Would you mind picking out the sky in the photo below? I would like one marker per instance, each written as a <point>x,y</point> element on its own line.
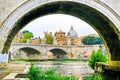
<point>55,22</point>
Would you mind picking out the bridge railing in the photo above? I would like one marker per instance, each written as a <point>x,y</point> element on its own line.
<point>24,44</point>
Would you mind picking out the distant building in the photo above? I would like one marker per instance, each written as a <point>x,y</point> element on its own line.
<point>72,33</point>
<point>36,41</point>
<point>95,35</point>
<point>60,37</point>
<point>18,38</point>
<point>77,41</point>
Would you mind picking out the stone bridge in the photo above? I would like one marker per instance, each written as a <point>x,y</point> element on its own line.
<point>102,15</point>
<point>55,49</point>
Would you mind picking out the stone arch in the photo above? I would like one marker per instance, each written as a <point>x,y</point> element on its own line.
<point>18,47</point>
<point>91,11</point>
<point>30,50</point>
<point>26,53</point>
<point>59,53</point>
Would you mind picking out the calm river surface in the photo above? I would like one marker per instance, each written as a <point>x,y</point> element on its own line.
<point>77,68</point>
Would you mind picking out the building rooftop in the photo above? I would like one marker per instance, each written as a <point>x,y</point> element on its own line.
<point>72,33</point>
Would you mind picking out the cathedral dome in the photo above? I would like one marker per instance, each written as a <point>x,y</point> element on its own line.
<point>72,33</point>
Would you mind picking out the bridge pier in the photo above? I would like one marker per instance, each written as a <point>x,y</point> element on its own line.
<point>111,69</point>
<point>114,63</point>
<point>108,69</point>
<point>44,54</point>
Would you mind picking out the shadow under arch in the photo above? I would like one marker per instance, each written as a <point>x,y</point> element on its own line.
<point>28,53</point>
<point>59,53</point>
<point>29,50</point>
<point>105,27</point>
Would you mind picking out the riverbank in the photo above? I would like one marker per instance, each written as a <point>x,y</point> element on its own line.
<point>64,67</point>
<point>12,67</point>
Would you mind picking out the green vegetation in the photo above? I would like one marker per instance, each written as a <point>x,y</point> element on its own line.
<point>20,60</point>
<point>97,56</point>
<point>70,60</point>
<point>48,37</point>
<point>94,77</point>
<point>49,74</point>
<point>26,36</point>
<point>101,77</point>
<point>40,40</point>
<point>91,40</point>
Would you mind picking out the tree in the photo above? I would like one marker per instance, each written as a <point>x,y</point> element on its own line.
<point>26,35</point>
<point>97,56</point>
<point>48,37</point>
<point>91,40</point>
<point>40,40</point>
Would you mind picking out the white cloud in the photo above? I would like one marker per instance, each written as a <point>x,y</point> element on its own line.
<point>55,22</point>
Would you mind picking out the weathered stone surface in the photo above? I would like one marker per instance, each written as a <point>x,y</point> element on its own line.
<point>8,6</point>
<point>114,4</point>
<point>55,49</point>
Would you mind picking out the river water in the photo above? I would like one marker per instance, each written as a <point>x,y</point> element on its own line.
<point>77,68</point>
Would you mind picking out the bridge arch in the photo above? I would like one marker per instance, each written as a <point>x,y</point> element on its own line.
<point>59,53</point>
<point>25,53</point>
<point>29,50</point>
<point>102,18</point>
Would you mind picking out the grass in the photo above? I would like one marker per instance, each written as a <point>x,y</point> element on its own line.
<point>20,60</point>
<point>48,74</point>
<point>57,60</point>
<point>70,60</point>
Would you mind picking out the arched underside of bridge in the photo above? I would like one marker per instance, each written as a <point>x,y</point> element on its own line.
<point>29,51</point>
<point>102,24</point>
<point>58,52</point>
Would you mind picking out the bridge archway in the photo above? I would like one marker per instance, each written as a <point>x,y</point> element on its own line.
<point>103,23</point>
<point>26,53</point>
<point>58,53</point>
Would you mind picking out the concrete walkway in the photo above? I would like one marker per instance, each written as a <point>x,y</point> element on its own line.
<point>11,76</point>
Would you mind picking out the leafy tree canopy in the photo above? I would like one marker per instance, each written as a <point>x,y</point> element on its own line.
<point>26,35</point>
<point>48,37</point>
<point>91,40</point>
<point>25,31</point>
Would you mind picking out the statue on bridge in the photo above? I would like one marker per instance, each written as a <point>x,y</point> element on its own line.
<point>44,40</point>
<point>68,41</point>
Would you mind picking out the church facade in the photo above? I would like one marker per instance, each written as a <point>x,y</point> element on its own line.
<point>66,39</point>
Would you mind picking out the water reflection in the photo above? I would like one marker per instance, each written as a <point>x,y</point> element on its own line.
<point>78,69</point>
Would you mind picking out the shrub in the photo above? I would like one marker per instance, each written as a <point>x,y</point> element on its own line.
<point>33,73</point>
<point>97,56</point>
<point>49,74</point>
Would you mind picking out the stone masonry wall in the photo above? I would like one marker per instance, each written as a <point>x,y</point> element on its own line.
<point>7,6</point>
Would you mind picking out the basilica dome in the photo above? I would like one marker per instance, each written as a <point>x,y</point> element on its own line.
<point>72,33</point>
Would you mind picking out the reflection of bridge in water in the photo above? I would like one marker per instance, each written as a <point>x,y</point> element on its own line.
<point>40,49</point>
